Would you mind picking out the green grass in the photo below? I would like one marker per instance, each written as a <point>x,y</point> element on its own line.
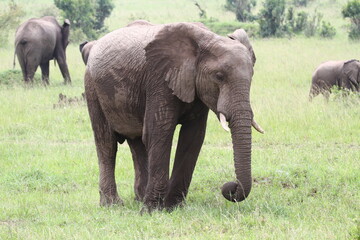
<point>305,167</point>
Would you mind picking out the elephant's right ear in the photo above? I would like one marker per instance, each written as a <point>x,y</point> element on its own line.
<point>352,71</point>
<point>172,55</point>
<point>65,32</point>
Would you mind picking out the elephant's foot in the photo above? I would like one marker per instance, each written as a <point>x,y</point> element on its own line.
<point>172,203</point>
<point>110,199</point>
<point>152,204</point>
<point>140,194</point>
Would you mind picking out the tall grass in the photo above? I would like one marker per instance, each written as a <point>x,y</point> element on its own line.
<point>305,167</point>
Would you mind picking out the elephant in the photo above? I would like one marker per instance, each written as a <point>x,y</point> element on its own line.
<point>85,48</point>
<point>143,80</point>
<point>343,74</point>
<point>39,40</point>
<point>241,36</point>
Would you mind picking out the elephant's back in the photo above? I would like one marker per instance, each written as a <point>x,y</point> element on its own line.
<point>37,31</point>
<point>113,50</point>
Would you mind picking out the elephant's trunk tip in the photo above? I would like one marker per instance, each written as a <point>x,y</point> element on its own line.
<point>234,191</point>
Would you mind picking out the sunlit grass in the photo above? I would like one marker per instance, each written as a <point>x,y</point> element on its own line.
<point>305,167</point>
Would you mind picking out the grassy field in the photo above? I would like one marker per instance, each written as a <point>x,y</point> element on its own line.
<point>306,168</point>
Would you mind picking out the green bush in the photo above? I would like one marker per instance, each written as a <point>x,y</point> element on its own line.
<point>9,19</point>
<point>87,15</point>
<point>352,10</point>
<point>271,18</point>
<point>327,30</point>
<point>242,9</point>
<point>300,2</point>
<point>312,25</point>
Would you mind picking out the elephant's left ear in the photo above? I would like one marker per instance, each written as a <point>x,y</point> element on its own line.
<point>172,55</point>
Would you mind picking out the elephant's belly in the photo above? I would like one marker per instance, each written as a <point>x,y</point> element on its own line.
<point>124,123</point>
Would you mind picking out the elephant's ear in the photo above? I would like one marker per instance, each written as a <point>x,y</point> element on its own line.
<point>65,32</point>
<point>241,36</point>
<point>352,71</point>
<point>172,55</point>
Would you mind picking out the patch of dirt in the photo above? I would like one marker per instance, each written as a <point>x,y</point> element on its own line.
<point>65,101</point>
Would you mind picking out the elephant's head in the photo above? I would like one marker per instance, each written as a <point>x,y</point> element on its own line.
<point>241,36</point>
<point>351,75</point>
<point>85,48</point>
<point>65,32</point>
<point>198,64</point>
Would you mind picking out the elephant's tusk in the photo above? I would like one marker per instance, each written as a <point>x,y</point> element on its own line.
<point>224,123</point>
<point>257,126</point>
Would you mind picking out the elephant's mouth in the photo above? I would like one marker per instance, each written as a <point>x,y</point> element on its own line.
<point>224,123</point>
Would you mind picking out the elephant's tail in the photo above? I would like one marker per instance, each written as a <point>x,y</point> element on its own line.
<point>14,59</point>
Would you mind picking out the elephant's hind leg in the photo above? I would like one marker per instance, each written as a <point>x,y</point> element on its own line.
<point>140,159</point>
<point>45,72</point>
<point>106,147</point>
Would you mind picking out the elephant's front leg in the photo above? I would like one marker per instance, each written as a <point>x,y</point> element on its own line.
<point>191,138</point>
<point>140,159</point>
<point>160,123</point>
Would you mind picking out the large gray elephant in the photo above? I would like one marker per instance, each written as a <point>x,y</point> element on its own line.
<point>343,74</point>
<point>143,80</point>
<point>39,40</point>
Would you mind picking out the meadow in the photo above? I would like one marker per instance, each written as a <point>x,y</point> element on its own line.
<point>306,167</point>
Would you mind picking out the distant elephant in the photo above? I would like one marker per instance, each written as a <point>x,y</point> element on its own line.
<point>39,40</point>
<point>241,36</point>
<point>143,80</point>
<point>343,74</point>
<point>85,48</point>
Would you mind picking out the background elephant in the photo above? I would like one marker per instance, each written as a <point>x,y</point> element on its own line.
<point>39,40</point>
<point>143,80</point>
<point>85,48</point>
<point>241,36</point>
<point>344,74</point>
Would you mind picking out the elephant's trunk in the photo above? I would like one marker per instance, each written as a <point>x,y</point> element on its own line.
<point>240,126</point>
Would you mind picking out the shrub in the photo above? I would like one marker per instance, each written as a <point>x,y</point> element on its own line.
<point>352,10</point>
<point>242,9</point>
<point>300,2</point>
<point>271,18</point>
<point>87,15</point>
<point>9,20</point>
<point>327,30</point>
<point>312,25</point>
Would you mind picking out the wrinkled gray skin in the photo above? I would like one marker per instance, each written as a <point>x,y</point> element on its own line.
<point>343,74</point>
<point>39,40</point>
<point>241,36</point>
<point>143,80</point>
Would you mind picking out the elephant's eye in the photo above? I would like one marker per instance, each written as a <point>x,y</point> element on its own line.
<point>220,76</point>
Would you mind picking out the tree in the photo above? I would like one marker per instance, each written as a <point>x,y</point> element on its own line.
<point>271,18</point>
<point>241,8</point>
<point>87,15</point>
<point>8,20</point>
<point>352,10</point>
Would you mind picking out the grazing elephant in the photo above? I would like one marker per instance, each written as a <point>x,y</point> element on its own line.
<point>143,80</point>
<point>39,40</point>
<point>344,74</point>
<point>241,36</point>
